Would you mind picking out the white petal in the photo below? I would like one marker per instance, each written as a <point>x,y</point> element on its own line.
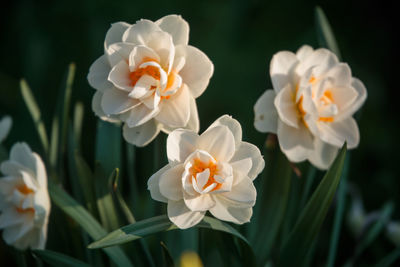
<point>337,132</point>
<point>21,153</point>
<point>139,115</point>
<point>197,71</point>
<point>202,179</point>
<point>358,102</point>
<point>232,124</point>
<point>247,150</point>
<point>199,203</point>
<point>139,33</point>
<point>323,155</point>
<point>152,101</point>
<point>266,116</point>
<point>10,217</point>
<point>119,52</point>
<point>322,59</point>
<point>219,142</point>
<point>171,183</point>
<point>162,44</point>
<point>297,144</point>
<point>183,217</point>
<point>344,98</point>
<point>114,34</point>
<point>97,109</point>
<point>141,54</point>
<point>304,52</point>
<point>180,144</point>
<point>153,184</point>
<point>341,74</point>
<point>98,74</point>
<point>243,166</point>
<point>225,210</point>
<point>175,111</point>
<point>243,193</point>
<point>177,27</point>
<point>193,123</point>
<point>116,101</point>
<point>141,135</point>
<point>143,87</point>
<point>14,233</point>
<point>281,67</point>
<point>5,126</point>
<point>286,107</point>
<point>119,76</point>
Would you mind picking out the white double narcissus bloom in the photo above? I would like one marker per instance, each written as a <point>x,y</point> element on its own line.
<point>24,199</point>
<point>211,172</point>
<point>149,77</point>
<point>5,126</point>
<point>311,106</point>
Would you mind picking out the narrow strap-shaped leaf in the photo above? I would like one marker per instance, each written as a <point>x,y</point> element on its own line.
<point>325,34</point>
<point>36,115</point>
<point>155,225</point>
<point>390,259</point>
<point>86,221</point>
<point>374,231</point>
<point>168,261</point>
<point>273,204</point>
<point>307,226</point>
<point>57,259</point>
<point>339,213</point>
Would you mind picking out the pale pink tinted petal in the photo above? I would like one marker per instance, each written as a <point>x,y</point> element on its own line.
<point>304,52</point>
<point>139,33</point>
<point>286,107</point>
<point>119,52</point>
<point>232,124</point>
<point>244,193</point>
<point>119,76</point>
<point>225,210</point>
<point>171,183</point>
<point>199,203</point>
<point>139,115</point>
<point>338,132</point>
<point>247,150</point>
<point>97,109</point>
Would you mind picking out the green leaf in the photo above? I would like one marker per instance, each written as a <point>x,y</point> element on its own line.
<point>390,259</point>
<point>374,231</point>
<point>325,34</point>
<point>77,127</point>
<point>66,105</point>
<point>86,181</point>
<point>58,259</point>
<point>273,204</point>
<point>339,213</point>
<point>105,204</point>
<point>54,142</point>
<point>168,261</point>
<point>108,146</point>
<point>120,200</point>
<point>86,221</point>
<point>36,115</point>
<point>155,225</point>
<point>307,226</point>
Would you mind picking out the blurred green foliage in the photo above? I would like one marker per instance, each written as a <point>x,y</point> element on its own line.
<point>40,38</point>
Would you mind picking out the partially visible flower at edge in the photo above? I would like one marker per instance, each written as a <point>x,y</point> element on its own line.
<point>311,105</point>
<point>211,172</point>
<point>24,199</point>
<point>149,77</point>
<point>5,126</point>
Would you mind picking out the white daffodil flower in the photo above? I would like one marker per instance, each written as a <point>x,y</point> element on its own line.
<point>24,199</point>
<point>149,77</point>
<point>311,106</point>
<point>5,126</point>
<point>211,172</point>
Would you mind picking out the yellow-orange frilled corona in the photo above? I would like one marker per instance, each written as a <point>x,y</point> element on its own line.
<point>149,77</point>
<point>212,172</point>
<point>24,199</point>
<point>311,105</point>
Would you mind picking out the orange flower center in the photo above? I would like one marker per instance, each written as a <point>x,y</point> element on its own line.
<point>24,189</point>
<point>326,98</point>
<point>199,166</point>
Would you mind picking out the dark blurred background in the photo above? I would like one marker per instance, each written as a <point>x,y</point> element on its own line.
<point>40,38</point>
